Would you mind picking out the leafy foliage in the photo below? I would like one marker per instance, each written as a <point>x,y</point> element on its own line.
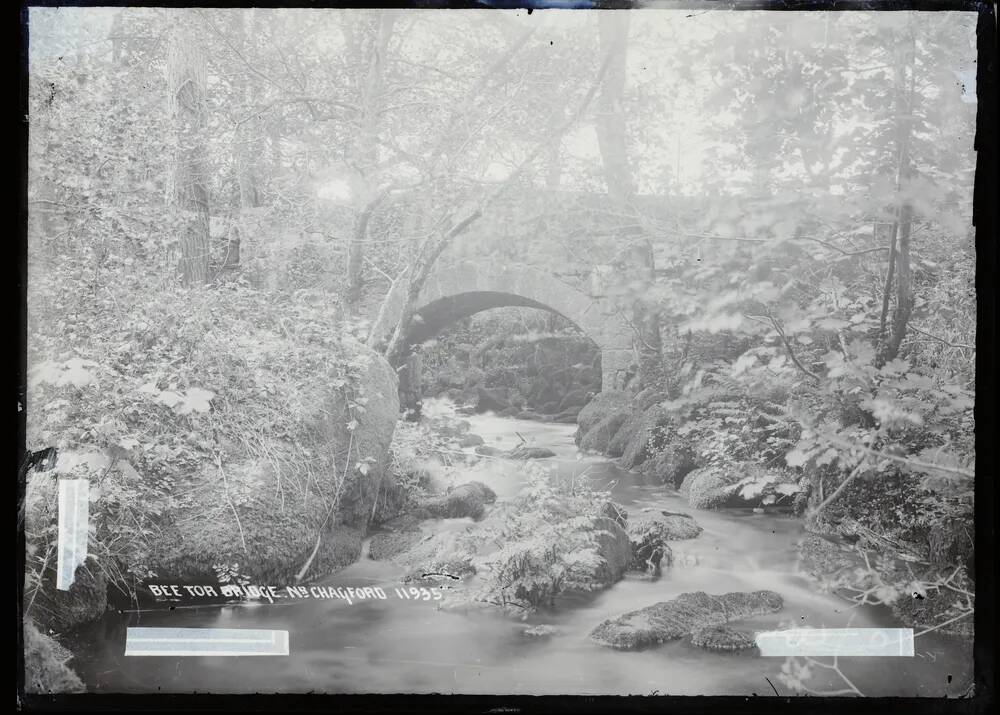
<point>816,313</point>
<point>548,543</point>
<point>182,385</point>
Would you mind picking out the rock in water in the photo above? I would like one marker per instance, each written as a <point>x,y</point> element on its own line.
<point>649,544</point>
<point>466,500</point>
<point>470,440</point>
<point>678,526</point>
<point>488,451</point>
<point>683,616</point>
<point>440,573</point>
<point>525,452</point>
<point>599,407</point>
<point>615,549</point>
<point>649,534</point>
<point>669,465</point>
<point>722,638</point>
<point>741,484</point>
<point>711,488</point>
<point>597,438</point>
<point>639,433</point>
<point>617,444</point>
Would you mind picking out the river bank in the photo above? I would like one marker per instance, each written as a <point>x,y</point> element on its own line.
<point>453,645</point>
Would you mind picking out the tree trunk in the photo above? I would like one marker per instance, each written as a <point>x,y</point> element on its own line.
<point>612,139</point>
<point>900,247</point>
<point>410,386</point>
<point>904,286</point>
<point>274,136</point>
<point>248,142</point>
<point>365,152</point>
<point>117,37</point>
<point>431,250</point>
<point>611,131</point>
<point>187,81</point>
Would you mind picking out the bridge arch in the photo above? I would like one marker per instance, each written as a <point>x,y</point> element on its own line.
<point>459,289</point>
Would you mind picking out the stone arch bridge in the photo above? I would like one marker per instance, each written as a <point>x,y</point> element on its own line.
<point>460,288</point>
<point>562,251</point>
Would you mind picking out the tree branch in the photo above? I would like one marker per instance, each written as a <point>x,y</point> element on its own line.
<point>841,250</point>
<point>855,473</point>
<point>431,250</point>
<point>941,340</point>
<point>788,347</point>
<point>958,471</point>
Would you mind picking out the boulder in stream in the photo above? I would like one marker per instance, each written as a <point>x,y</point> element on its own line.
<point>466,500</point>
<point>615,549</point>
<point>643,400</point>
<point>742,484</point>
<point>486,450</point>
<point>598,436</point>
<point>440,573</point>
<point>529,452</point>
<point>648,554</point>
<point>470,440</point>
<point>711,488</point>
<point>638,435</point>
<point>649,534</point>
<point>669,465</point>
<point>724,638</point>
<point>448,427</point>
<point>598,408</point>
<point>681,617</point>
<point>621,438</point>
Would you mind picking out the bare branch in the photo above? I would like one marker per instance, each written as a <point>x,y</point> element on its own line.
<point>941,340</point>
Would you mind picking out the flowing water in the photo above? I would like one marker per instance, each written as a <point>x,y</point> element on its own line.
<point>399,646</point>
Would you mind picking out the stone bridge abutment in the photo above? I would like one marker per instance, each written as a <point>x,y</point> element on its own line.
<point>456,290</point>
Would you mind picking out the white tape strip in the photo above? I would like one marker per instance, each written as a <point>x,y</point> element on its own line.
<point>74,513</point>
<point>205,641</point>
<point>818,642</point>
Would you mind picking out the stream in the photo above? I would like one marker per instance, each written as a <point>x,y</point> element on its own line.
<point>398,646</point>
